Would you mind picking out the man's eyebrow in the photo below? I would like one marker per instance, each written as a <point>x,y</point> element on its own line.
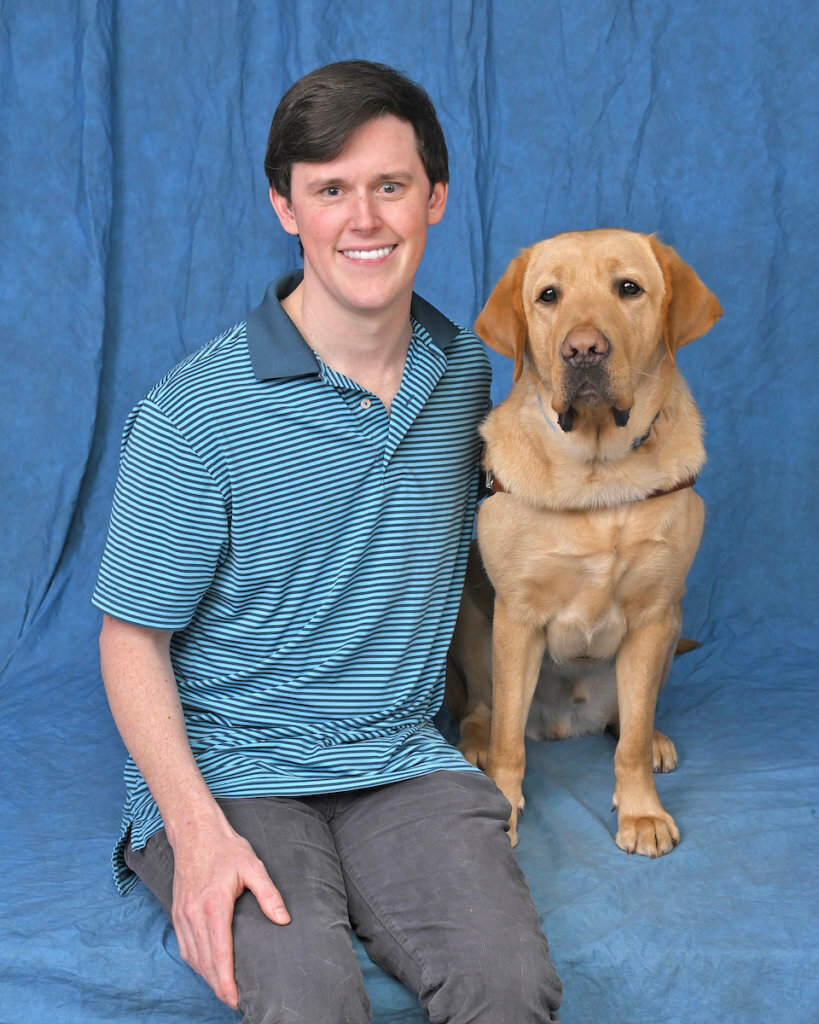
<point>321,183</point>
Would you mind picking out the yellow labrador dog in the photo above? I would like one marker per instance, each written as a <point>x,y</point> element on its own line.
<point>594,523</point>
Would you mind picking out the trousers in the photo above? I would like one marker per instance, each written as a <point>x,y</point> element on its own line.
<point>423,872</point>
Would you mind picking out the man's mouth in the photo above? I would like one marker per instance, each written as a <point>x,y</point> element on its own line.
<point>368,254</point>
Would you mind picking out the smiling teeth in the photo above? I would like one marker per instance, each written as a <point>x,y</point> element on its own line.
<point>367,254</point>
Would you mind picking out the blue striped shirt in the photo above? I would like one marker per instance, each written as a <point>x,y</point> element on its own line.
<point>307,549</point>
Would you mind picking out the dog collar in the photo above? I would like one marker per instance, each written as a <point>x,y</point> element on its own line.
<point>492,485</point>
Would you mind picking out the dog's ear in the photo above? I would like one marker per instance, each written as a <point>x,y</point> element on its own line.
<point>502,322</point>
<point>690,309</point>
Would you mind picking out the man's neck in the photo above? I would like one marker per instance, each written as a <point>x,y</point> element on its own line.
<point>371,349</point>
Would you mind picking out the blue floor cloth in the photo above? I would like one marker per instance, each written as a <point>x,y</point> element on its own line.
<point>136,226</point>
<point>723,928</point>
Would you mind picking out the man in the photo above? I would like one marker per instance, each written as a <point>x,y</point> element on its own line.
<point>281,578</point>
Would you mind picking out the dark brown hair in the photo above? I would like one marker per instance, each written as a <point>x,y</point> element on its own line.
<point>320,112</point>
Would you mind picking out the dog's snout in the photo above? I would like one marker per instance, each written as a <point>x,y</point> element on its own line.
<point>585,346</point>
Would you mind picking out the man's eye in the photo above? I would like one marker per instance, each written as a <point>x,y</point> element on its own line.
<point>332,191</point>
<point>390,188</point>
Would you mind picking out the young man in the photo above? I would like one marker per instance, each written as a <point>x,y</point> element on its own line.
<point>281,579</point>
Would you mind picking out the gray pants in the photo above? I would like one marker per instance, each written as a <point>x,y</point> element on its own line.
<point>424,872</point>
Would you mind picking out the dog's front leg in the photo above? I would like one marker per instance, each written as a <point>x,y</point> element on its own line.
<point>644,826</point>
<point>517,653</point>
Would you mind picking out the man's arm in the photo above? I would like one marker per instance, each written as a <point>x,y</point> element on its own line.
<point>213,865</point>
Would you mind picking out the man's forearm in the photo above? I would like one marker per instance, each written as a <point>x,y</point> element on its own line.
<point>142,694</point>
<point>212,864</point>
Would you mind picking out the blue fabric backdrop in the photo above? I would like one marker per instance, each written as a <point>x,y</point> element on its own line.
<point>134,225</point>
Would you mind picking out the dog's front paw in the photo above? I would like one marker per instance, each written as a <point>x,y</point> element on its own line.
<point>663,753</point>
<point>517,802</point>
<point>651,835</point>
<point>513,820</point>
<point>510,783</point>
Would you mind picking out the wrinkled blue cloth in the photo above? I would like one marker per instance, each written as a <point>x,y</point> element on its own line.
<point>136,225</point>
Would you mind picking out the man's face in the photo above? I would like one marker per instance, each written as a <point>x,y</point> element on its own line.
<point>362,219</point>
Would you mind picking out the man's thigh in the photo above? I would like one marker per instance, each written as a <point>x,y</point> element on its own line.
<point>306,970</point>
<point>437,896</point>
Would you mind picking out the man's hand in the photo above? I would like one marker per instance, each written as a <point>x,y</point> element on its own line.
<point>212,868</point>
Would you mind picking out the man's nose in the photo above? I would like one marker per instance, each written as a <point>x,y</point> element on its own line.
<point>364,212</point>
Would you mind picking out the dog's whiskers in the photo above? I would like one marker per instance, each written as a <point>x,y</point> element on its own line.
<point>645,373</point>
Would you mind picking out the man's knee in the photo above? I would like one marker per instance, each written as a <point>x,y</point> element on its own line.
<point>514,982</point>
<point>306,971</point>
<point>318,993</point>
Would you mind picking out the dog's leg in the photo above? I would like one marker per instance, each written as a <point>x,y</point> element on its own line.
<point>474,742</point>
<point>643,824</point>
<point>517,653</point>
<point>469,679</point>
<point>663,751</point>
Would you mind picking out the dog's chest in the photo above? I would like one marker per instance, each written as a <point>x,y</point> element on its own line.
<point>591,621</point>
<point>581,584</point>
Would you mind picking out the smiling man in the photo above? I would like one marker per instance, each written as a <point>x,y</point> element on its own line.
<point>280,583</point>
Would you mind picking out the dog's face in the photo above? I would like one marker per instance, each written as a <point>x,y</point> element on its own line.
<point>594,311</point>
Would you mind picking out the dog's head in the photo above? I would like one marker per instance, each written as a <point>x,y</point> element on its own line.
<point>593,312</point>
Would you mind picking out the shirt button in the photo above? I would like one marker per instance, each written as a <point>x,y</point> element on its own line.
<point>365,403</point>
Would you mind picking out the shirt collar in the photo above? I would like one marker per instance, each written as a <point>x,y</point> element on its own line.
<point>279,352</point>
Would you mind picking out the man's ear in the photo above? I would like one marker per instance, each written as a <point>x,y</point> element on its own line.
<point>284,211</point>
<point>437,202</point>
<point>502,321</point>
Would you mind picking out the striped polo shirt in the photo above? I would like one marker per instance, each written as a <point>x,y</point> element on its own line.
<point>307,549</point>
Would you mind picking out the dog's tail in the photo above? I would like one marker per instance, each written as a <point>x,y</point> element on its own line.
<point>684,645</point>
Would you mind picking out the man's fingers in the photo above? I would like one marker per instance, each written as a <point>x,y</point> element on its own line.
<point>221,974</point>
<point>204,901</point>
<point>205,938</point>
<point>268,896</point>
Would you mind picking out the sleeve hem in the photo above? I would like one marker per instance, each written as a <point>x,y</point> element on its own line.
<point>140,617</point>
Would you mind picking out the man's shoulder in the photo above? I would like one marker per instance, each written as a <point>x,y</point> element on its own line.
<point>213,368</point>
<point>198,396</point>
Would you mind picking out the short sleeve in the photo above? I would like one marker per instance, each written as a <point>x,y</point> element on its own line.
<point>168,529</point>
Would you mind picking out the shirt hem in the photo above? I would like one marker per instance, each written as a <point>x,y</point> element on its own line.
<point>125,878</point>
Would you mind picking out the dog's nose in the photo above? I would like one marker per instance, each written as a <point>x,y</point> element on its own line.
<point>584,346</point>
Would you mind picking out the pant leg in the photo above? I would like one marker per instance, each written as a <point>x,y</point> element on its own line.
<point>437,897</point>
<point>306,971</point>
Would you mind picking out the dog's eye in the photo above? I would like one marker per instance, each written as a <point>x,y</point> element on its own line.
<point>548,295</point>
<point>628,289</point>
